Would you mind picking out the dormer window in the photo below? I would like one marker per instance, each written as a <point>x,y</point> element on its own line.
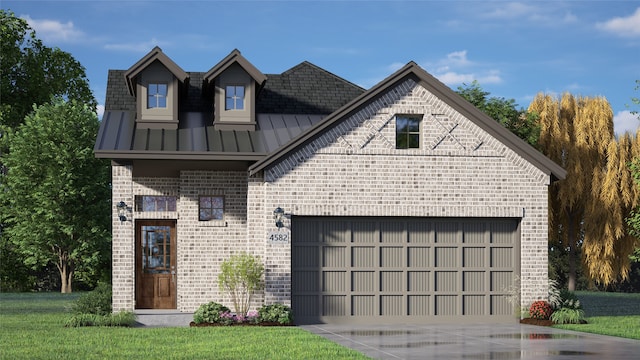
<point>234,97</point>
<point>157,96</point>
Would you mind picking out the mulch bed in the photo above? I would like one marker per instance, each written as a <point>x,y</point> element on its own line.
<point>532,321</point>
<point>193,324</point>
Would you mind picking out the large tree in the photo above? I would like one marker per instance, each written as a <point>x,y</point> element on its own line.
<point>56,194</point>
<point>32,73</point>
<point>505,111</point>
<point>587,209</point>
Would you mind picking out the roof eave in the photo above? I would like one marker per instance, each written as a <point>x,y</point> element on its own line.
<point>177,155</point>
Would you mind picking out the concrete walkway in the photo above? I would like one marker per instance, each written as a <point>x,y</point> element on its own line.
<point>500,341</point>
<point>486,341</point>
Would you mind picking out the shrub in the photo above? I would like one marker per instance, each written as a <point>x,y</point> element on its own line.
<point>568,316</point>
<point>241,277</point>
<point>540,310</point>
<point>209,313</point>
<point>276,313</point>
<point>569,300</point>
<point>97,301</point>
<point>123,318</point>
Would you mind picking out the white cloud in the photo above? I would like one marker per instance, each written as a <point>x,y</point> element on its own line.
<point>623,26</point>
<point>100,111</point>
<point>625,121</point>
<point>512,10</point>
<point>139,47</point>
<point>53,30</point>
<point>458,58</point>
<point>450,71</point>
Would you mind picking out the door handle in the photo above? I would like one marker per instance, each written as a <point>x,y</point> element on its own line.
<point>173,276</point>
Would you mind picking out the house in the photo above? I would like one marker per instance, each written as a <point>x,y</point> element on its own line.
<point>402,203</point>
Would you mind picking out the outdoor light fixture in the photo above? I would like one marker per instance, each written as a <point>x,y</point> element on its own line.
<point>278,213</point>
<point>122,211</point>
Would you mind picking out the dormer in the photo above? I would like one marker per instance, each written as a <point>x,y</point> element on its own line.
<point>155,82</point>
<point>234,84</point>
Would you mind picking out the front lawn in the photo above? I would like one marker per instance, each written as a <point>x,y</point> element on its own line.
<point>614,314</point>
<point>32,327</point>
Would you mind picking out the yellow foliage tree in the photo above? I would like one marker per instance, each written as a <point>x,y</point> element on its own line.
<point>588,208</point>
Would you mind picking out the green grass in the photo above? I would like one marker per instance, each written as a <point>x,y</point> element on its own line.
<point>614,314</point>
<point>32,327</point>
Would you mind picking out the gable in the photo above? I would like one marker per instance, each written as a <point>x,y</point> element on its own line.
<point>444,112</point>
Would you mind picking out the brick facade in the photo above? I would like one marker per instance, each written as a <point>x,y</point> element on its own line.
<point>353,169</point>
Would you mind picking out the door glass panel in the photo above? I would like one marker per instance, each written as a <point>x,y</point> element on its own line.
<point>156,249</point>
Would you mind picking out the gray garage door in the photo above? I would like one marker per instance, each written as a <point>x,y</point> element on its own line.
<point>403,270</point>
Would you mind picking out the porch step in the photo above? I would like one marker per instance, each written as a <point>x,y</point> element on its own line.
<point>163,318</point>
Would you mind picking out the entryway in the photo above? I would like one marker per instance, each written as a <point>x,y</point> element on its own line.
<point>155,264</point>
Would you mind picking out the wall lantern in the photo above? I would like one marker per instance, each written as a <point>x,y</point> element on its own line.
<point>278,214</point>
<point>122,211</point>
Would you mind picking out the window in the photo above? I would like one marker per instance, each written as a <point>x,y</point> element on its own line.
<point>211,208</point>
<point>155,203</point>
<point>157,96</point>
<point>234,98</point>
<point>408,132</point>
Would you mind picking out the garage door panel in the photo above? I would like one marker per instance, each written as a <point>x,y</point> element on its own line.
<point>474,233</point>
<point>501,280</point>
<point>391,305</point>
<point>419,305</point>
<point>363,281</point>
<point>305,256</point>
<point>473,257</point>
<point>334,281</point>
<point>447,232</point>
<point>446,305</point>
<point>473,304</point>
<point>363,305</point>
<point>391,281</point>
<point>334,256</point>
<point>419,281</point>
<point>473,281</point>
<point>418,257</point>
<point>336,232</point>
<point>403,270</point>
<point>393,232</point>
<point>500,305</point>
<point>306,281</point>
<point>446,257</point>
<point>363,257</point>
<point>334,305</point>
<point>420,232</point>
<point>391,257</point>
<point>365,232</point>
<point>501,257</point>
<point>446,281</point>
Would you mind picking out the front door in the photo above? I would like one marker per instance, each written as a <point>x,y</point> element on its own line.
<point>155,264</point>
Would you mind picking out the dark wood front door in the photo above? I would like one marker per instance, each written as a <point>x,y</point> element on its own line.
<point>156,264</point>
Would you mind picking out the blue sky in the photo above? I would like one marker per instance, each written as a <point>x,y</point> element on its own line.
<point>513,49</point>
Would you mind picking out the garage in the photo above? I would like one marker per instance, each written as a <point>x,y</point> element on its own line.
<point>374,270</point>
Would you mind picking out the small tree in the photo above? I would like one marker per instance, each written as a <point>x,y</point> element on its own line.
<point>241,277</point>
<point>55,198</point>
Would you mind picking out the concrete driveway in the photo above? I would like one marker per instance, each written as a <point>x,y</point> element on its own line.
<point>499,341</point>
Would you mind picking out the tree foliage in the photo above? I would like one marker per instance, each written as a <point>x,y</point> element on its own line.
<point>241,277</point>
<point>32,73</point>
<point>588,208</point>
<point>520,122</point>
<point>55,196</point>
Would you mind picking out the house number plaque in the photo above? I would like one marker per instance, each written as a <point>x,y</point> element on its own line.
<point>278,237</point>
